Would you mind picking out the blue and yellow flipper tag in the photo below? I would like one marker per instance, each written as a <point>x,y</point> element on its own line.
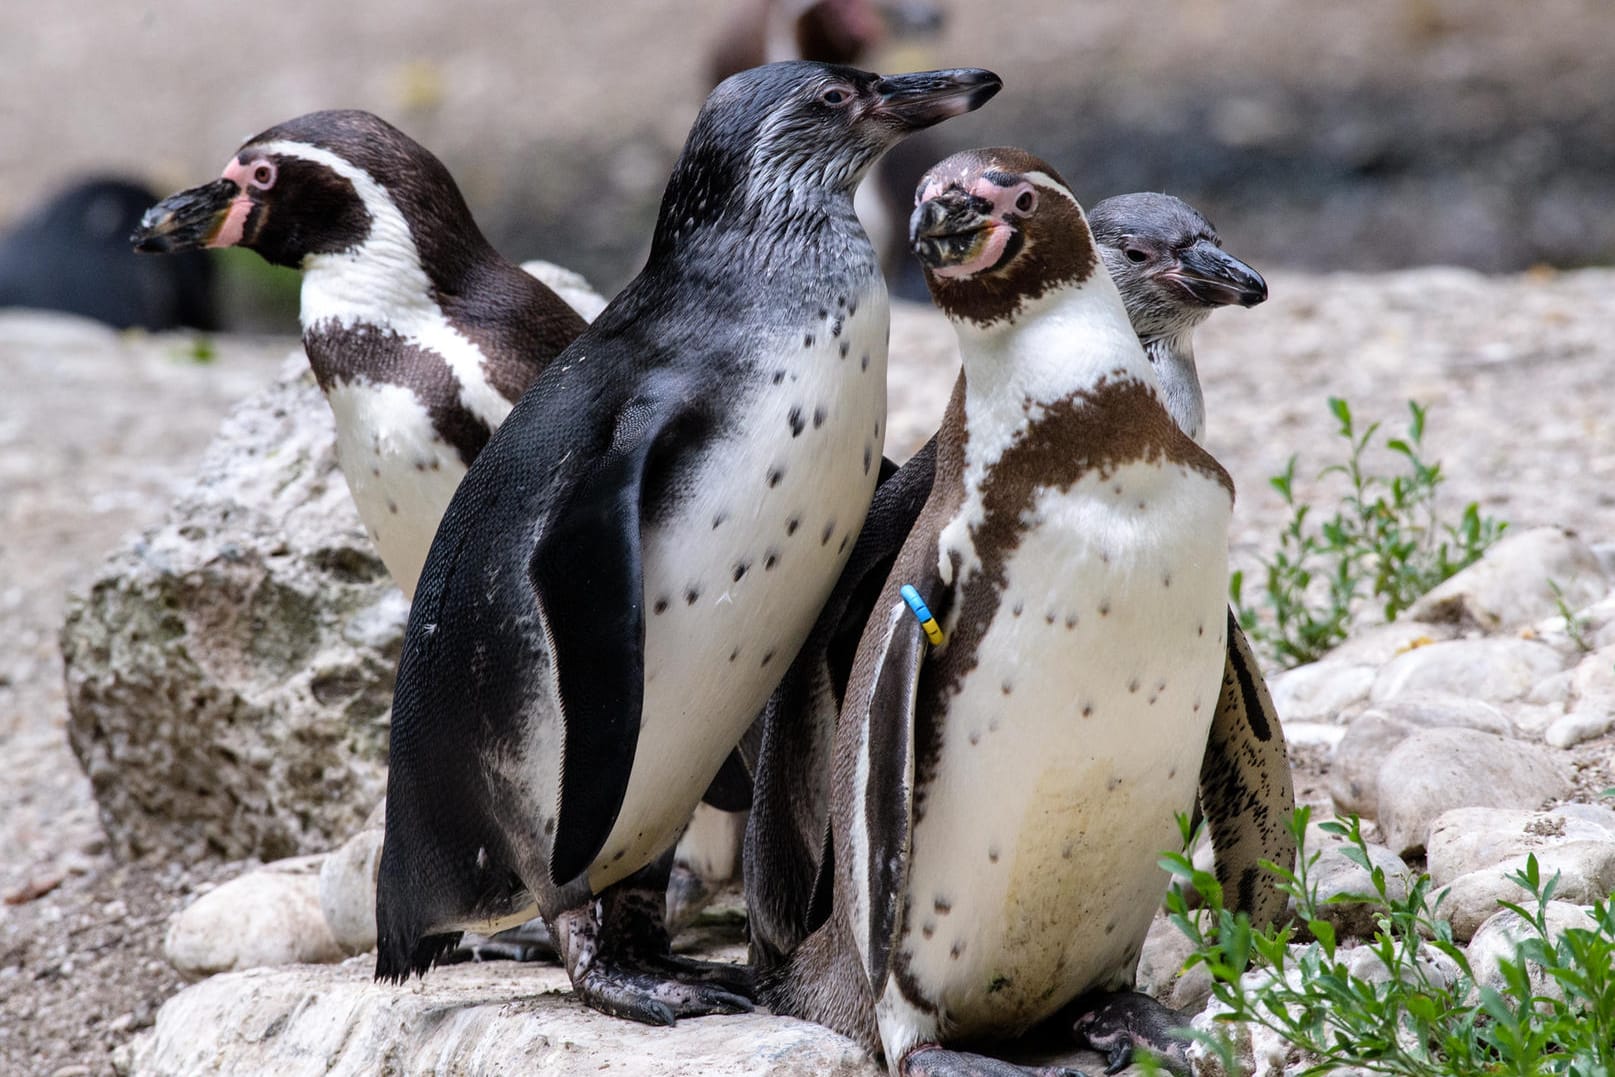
<point>933,631</point>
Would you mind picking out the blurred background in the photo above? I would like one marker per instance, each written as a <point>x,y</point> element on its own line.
<point>1367,135</point>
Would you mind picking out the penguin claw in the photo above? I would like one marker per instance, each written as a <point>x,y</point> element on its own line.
<point>1118,1058</point>
<point>652,998</point>
<point>930,1060</point>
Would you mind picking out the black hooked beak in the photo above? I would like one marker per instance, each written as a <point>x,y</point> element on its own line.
<point>1216,278</point>
<point>187,220</point>
<point>911,102</point>
<point>949,229</point>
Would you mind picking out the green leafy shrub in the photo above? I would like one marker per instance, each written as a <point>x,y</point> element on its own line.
<point>1425,1015</point>
<point>1385,545</point>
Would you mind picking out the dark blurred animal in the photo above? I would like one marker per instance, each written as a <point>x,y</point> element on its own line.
<point>72,254</point>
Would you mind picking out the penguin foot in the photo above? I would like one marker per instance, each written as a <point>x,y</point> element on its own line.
<point>1117,1024</point>
<point>687,895</point>
<point>657,991</point>
<point>527,942</point>
<point>932,1060</point>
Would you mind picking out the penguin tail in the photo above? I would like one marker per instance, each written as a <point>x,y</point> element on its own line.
<point>397,957</point>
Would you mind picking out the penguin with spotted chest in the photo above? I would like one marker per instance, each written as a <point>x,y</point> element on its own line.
<point>674,496</point>
<point>999,800</point>
<point>1167,261</point>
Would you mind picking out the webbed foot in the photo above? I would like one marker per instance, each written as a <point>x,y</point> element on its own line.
<point>1117,1024</point>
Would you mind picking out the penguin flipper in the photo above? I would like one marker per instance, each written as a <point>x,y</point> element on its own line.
<point>588,563</point>
<point>883,797</point>
<point>1246,789</point>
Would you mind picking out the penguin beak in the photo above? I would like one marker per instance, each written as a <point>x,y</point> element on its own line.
<point>912,102</point>
<point>187,220</point>
<point>952,231</point>
<point>1216,278</point>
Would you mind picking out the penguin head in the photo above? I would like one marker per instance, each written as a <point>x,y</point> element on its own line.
<point>777,138</point>
<point>995,229</point>
<point>308,187</point>
<point>1167,260</point>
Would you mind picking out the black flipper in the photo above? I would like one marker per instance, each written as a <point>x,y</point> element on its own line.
<point>588,563</point>
<point>887,796</point>
<point>1246,790</point>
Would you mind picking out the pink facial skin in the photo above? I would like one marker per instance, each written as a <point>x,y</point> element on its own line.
<point>248,177</point>
<point>996,230</point>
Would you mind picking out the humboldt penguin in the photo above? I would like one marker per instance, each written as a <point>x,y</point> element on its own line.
<point>421,336</point>
<point>634,559</point>
<point>1030,702</point>
<point>1167,262</point>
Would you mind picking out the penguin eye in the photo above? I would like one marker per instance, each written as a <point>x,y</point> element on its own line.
<point>263,175</point>
<point>1026,202</point>
<point>835,96</point>
<point>1135,255</point>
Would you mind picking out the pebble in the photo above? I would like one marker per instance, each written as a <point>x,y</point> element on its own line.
<point>270,916</point>
<point>1436,770</point>
<point>1496,939</point>
<point>1375,731</point>
<point>348,890</point>
<point>1336,876</point>
<point>1510,587</point>
<point>1495,670</point>
<point>1585,871</point>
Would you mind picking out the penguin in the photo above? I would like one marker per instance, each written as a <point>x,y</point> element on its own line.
<point>421,336</point>
<point>1030,701</point>
<point>631,563</point>
<point>69,254</point>
<point>1167,262</point>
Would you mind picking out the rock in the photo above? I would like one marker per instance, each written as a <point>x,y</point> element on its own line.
<point>1376,730</point>
<point>1375,645</point>
<point>1436,770</point>
<point>463,1019</point>
<point>1590,813</point>
<point>218,698</point>
<point>1497,939</point>
<point>348,890</point>
<point>1592,689</point>
<point>1572,729</point>
<point>1585,869</point>
<point>1335,874</point>
<point>1160,968</point>
<point>1432,966</point>
<point>270,916</point>
<point>1496,670</point>
<point>1509,586</point>
<point>1469,839</point>
<point>1320,690</point>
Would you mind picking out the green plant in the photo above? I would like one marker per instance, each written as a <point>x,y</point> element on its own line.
<point>1425,1015</point>
<point>1575,627</point>
<point>1384,545</point>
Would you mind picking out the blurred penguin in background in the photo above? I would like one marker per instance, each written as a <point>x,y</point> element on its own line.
<point>72,254</point>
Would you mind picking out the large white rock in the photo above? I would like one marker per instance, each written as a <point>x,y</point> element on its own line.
<point>1495,670</point>
<point>1437,770</point>
<point>1510,586</point>
<point>1498,938</point>
<point>466,1020</point>
<point>1585,870</point>
<point>1469,839</point>
<point>270,916</point>
<point>1319,691</point>
<point>1376,730</point>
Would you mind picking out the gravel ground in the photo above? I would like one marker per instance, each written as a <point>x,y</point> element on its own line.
<point>1515,371</point>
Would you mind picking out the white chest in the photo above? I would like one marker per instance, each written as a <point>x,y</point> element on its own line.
<point>735,580</point>
<point>401,473</point>
<point>1068,748</point>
